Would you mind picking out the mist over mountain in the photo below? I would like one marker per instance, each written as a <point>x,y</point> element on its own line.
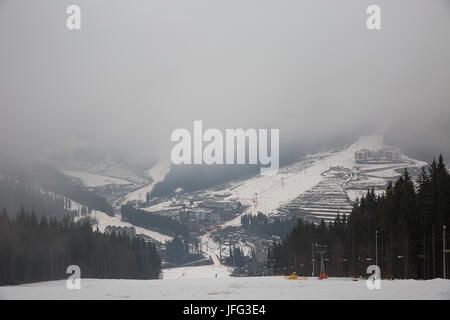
<point>137,71</point>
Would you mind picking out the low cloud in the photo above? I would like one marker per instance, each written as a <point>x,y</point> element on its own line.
<point>138,70</point>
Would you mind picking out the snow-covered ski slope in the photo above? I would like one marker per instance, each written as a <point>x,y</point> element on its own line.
<point>200,272</point>
<point>210,287</point>
<point>102,220</point>
<point>92,180</point>
<point>266,194</point>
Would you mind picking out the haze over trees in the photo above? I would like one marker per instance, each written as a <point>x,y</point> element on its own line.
<point>178,251</point>
<point>40,176</point>
<point>15,195</point>
<point>261,225</point>
<point>34,250</point>
<point>193,178</point>
<point>155,222</point>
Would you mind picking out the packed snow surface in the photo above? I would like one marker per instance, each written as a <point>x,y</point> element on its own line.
<point>199,272</point>
<point>92,180</point>
<point>104,220</point>
<point>208,286</point>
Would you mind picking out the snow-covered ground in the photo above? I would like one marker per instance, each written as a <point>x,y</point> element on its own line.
<point>199,272</point>
<point>208,286</point>
<point>92,180</point>
<point>272,193</point>
<point>105,220</point>
<point>102,220</point>
<point>212,249</point>
<point>357,194</point>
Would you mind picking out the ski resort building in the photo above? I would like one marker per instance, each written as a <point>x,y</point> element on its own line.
<point>224,205</point>
<point>199,213</point>
<point>384,155</point>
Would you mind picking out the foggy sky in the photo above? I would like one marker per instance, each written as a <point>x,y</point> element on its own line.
<point>139,69</point>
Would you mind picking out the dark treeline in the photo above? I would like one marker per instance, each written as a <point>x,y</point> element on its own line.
<point>260,225</point>
<point>84,196</point>
<point>39,175</point>
<point>40,250</point>
<point>155,222</point>
<point>14,195</point>
<point>57,182</point>
<point>178,252</point>
<point>193,178</point>
<point>406,220</point>
<point>236,258</point>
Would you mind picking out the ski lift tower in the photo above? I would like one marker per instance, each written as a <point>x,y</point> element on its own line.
<point>322,249</point>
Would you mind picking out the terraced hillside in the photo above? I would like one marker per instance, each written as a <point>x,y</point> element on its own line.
<point>326,199</point>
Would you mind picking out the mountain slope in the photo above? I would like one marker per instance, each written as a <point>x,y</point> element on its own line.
<point>313,175</point>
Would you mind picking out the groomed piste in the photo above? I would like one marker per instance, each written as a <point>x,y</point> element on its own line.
<point>201,283</point>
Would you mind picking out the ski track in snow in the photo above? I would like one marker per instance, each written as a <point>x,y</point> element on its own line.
<point>209,271</point>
